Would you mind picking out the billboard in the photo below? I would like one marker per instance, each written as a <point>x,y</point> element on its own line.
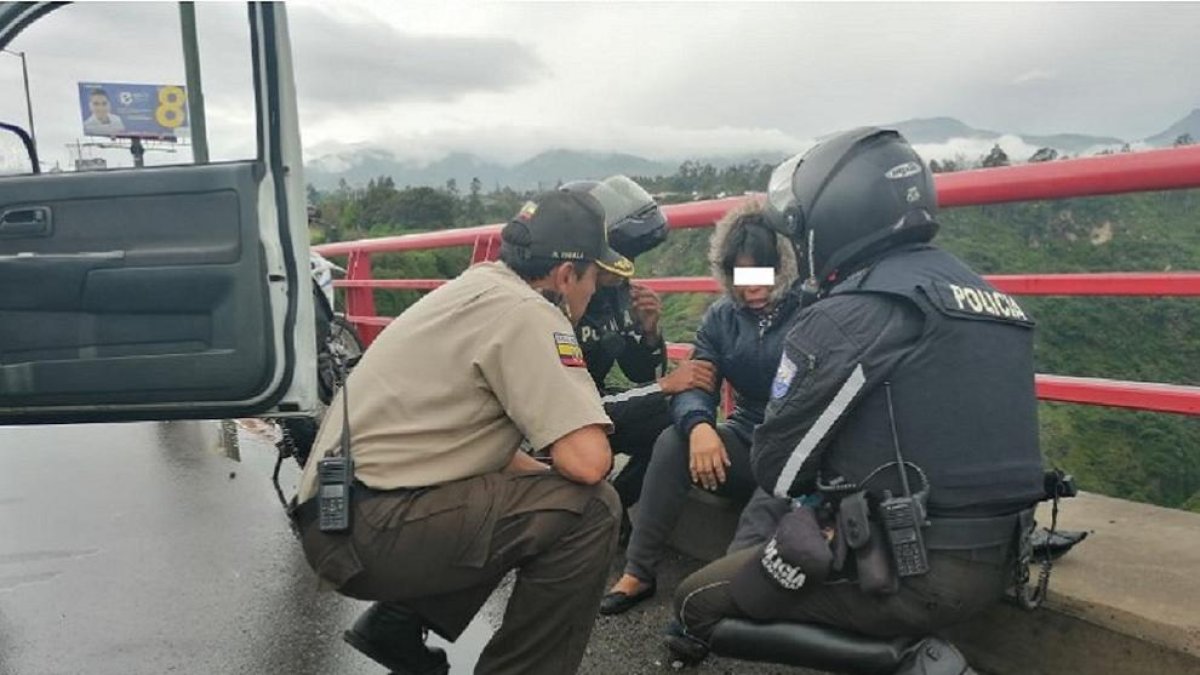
<point>119,110</point>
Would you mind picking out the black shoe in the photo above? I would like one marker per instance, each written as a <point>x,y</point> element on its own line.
<point>684,648</point>
<point>934,656</point>
<point>393,636</point>
<point>618,603</point>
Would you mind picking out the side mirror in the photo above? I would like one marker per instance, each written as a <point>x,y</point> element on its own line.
<point>18,155</point>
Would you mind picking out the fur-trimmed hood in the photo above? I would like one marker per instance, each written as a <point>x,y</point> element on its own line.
<point>740,217</point>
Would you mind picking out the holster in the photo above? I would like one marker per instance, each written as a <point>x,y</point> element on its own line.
<point>856,532</point>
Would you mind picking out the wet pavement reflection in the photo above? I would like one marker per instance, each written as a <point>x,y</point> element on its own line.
<point>140,548</point>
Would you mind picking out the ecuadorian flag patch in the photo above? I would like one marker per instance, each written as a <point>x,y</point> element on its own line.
<point>568,350</point>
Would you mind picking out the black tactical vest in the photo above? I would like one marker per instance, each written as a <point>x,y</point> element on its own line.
<point>963,395</point>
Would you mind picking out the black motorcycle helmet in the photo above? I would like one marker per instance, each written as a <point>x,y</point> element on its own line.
<point>635,223</point>
<point>850,197</point>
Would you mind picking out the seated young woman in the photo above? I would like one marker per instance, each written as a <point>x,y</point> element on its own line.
<point>742,335</point>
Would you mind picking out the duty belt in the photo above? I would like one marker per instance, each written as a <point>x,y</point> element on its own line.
<point>997,533</point>
<point>305,514</point>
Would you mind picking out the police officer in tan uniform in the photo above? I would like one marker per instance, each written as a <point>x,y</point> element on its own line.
<point>445,501</point>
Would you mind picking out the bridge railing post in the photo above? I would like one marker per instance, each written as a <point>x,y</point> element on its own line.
<point>360,300</point>
<point>487,247</point>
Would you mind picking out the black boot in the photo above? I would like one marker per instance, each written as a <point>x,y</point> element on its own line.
<point>934,656</point>
<point>684,648</point>
<point>394,637</point>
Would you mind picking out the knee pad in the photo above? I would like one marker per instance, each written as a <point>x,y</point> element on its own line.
<point>810,646</point>
<point>836,650</point>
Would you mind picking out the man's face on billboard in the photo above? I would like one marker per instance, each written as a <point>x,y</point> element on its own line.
<point>100,106</point>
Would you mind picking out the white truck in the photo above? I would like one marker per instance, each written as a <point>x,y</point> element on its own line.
<point>163,292</point>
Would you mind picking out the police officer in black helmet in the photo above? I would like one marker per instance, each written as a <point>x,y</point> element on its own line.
<point>901,349</point>
<point>621,328</point>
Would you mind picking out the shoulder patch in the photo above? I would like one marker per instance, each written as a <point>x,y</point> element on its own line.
<point>980,303</point>
<point>568,349</point>
<point>783,377</point>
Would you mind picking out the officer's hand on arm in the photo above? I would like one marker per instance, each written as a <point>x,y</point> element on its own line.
<point>708,458</point>
<point>647,306</point>
<point>691,374</point>
<point>583,456</point>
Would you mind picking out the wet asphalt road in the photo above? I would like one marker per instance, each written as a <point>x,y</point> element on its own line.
<point>139,548</point>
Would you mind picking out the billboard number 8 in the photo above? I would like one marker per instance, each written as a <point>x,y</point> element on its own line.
<point>170,113</point>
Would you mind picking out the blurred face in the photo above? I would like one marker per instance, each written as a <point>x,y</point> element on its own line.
<point>755,297</point>
<point>99,106</point>
<point>576,291</point>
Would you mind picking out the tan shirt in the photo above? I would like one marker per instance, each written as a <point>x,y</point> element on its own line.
<point>452,387</point>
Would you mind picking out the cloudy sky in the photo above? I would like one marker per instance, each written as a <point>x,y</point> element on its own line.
<point>665,80</point>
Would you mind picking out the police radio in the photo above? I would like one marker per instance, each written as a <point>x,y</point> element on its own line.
<point>335,478</point>
<point>903,517</point>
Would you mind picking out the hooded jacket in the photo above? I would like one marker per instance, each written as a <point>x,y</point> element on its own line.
<point>745,346</point>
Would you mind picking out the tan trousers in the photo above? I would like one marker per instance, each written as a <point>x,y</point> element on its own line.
<point>441,552</point>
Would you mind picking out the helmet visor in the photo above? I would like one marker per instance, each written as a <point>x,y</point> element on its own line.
<point>621,199</point>
<point>780,196</point>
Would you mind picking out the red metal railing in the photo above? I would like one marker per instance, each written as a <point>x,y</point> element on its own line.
<point>1176,168</point>
<point>1174,284</point>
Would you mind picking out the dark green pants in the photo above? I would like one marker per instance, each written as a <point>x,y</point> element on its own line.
<point>442,551</point>
<point>955,588</point>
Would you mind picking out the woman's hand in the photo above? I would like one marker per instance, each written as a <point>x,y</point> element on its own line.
<point>708,458</point>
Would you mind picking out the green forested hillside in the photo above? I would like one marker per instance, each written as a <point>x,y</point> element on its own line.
<point>1143,456</point>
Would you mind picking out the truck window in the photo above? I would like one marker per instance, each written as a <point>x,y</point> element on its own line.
<point>108,88</point>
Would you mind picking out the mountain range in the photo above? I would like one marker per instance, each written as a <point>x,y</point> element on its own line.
<point>359,164</point>
<point>938,130</point>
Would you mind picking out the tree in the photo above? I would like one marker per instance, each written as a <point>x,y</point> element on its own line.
<point>475,202</point>
<point>455,200</point>
<point>944,166</point>
<point>1183,139</point>
<point>997,157</point>
<point>1044,155</point>
<point>503,204</point>
<point>424,208</point>
<point>378,203</point>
